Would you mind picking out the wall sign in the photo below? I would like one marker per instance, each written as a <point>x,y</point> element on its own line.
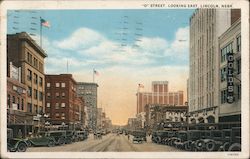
<point>230,78</point>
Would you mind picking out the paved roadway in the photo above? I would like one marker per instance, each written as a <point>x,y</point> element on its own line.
<point>108,143</point>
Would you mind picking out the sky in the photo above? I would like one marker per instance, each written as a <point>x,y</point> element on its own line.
<point>126,47</point>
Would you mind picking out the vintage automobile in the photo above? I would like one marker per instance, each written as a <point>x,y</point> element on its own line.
<point>139,136</point>
<point>70,137</point>
<point>42,139</point>
<point>80,135</point>
<point>15,144</point>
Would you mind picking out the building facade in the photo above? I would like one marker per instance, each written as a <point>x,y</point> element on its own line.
<point>158,115</point>
<point>63,107</point>
<point>206,25</point>
<point>23,52</point>
<point>159,95</point>
<point>230,72</point>
<point>89,92</point>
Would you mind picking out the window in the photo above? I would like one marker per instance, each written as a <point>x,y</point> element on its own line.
<point>22,104</point>
<point>57,115</point>
<point>29,57</point>
<point>223,74</point>
<point>8,100</point>
<point>36,108</point>
<point>57,84</point>
<point>48,95</point>
<point>238,66</point>
<point>35,93</point>
<point>40,81</point>
<point>48,85</point>
<point>13,99</point>
<point>40,66</point>
<point>239,91</point>
<point>223,96</point>
<point>40,95</point>
<point>29,76</point>
<point>29,107</point>
<point>63,85</point>
<point>57,105</point>
<point>40,109</point>
<point>238,43</point>
<point>225,50</point>
<point>35,78</point>
<point>63,116</point>
<point>29,91</point>
<point>18,103</point>
<point>62,105</point>
<point>57,95</point>
<point>48,105</point>
<point>63,94</point>
<point>35,62</point>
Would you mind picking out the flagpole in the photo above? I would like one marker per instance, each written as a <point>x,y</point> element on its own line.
<point>40,32</point>
<point>93,75</point>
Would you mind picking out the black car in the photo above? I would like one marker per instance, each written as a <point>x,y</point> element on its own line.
<point>15,144</point>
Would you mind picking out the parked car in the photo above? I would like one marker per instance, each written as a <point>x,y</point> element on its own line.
<point>80,135</point>
<point>70,137</point>
<point>42,139</point>
<point>59,136</point>
<point>15,144</point>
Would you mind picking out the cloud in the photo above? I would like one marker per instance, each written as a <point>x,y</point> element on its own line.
<point>80,39</point>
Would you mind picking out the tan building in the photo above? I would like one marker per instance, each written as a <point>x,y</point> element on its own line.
<point>230,73</point>
<point>25,53</point>
<point>159,95</point>
<point>206,26</point>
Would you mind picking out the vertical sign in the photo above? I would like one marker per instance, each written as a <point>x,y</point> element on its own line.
<point>230,78</point>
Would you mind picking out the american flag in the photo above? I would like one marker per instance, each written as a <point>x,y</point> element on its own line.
<point>140,85</point>
<point>96,73</point>
<point>45,23</point>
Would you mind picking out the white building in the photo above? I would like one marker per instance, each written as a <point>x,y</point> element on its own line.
<point>206,25</point>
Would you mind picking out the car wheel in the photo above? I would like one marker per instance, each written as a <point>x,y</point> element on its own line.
<point>21,147</point>
<point>235,147</point>
<point>61,141</point>
<point>51,143</point>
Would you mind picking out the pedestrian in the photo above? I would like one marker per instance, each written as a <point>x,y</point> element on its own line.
<point>20,134</point>
<point>128,136</point>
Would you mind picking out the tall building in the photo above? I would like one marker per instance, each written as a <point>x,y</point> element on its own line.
<point>63,107</point>
<point>206,25</point>
<point>89,92</point>
<point>159,95</point>
<point>25,53</point>
<point>230,72</point>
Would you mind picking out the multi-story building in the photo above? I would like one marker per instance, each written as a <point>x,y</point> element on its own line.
<point>159,95</point>
<point>206,25</point>
<point>89,92</point>
<point>156,114</point>
<point>25,53</point>
<point>230,72</point>
<point>63,107</point>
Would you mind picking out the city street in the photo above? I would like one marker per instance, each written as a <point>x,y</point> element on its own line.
<point>108,143</point>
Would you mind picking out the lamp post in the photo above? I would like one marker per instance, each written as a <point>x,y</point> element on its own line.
<point>63,124</point>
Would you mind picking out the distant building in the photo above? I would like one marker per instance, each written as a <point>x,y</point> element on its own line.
<point>156,114</point>
<point>159,95</point>
<point>63,106</point>
<point>25,54</point>
<point>89,92</point>
<point>99,118</point>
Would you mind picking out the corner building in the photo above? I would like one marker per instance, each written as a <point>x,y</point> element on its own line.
<point>62,103</point>
<point>206,26</point>
<point>25,53</point>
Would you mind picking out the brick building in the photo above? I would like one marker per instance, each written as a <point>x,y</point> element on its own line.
<point>159,95</point>
<point>62,104</point>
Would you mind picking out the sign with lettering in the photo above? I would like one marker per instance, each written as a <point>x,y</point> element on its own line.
<point>230,78</point>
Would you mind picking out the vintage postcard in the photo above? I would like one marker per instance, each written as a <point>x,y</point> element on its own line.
<point>124,79</point>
